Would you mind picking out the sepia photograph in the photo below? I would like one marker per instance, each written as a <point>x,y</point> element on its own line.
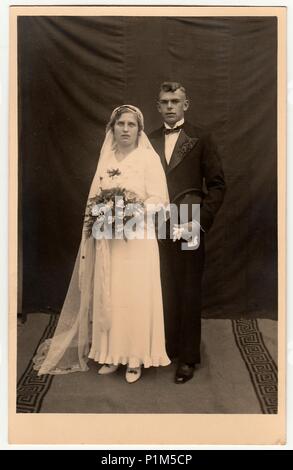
<point>147,198</point>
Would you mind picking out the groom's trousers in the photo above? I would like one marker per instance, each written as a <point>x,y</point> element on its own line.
<point>181,277</point>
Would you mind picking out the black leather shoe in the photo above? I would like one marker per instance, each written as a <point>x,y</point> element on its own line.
<point>184,373</point>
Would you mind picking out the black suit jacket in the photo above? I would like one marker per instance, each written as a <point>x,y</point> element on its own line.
<point>194,173</point>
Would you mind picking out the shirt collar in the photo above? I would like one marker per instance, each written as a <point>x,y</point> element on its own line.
<point>178,123</point>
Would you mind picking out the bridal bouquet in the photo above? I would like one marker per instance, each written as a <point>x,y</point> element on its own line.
<point>110,210</point>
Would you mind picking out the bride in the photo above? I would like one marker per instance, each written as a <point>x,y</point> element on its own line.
<point>113,311</point>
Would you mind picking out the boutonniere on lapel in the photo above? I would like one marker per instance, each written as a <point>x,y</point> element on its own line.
<point>186,147</point>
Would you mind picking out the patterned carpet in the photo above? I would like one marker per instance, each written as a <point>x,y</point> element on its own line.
<point>31,388</point>
<point>259,362</point>
<point>238,374</point>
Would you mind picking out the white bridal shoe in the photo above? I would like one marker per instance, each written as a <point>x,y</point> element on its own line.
<point>107,369</point>
<point>132,374</point>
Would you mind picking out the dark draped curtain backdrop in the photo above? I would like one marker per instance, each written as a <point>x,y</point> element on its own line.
<point>74,70</point>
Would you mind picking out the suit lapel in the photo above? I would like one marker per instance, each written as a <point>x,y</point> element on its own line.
<point>183,145</point>
<point>159,145</point>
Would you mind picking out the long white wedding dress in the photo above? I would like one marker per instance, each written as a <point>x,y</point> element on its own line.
<point>113,310</point>
<point>136,336</point>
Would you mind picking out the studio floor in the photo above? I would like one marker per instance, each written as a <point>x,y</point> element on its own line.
<point>238,374</point>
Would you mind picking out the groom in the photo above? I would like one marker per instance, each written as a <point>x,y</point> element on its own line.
<point>190,159</point>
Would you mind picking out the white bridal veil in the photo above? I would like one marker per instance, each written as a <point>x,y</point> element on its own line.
<point>68,350</point>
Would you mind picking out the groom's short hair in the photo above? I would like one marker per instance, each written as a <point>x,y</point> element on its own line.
<point>172,86</point>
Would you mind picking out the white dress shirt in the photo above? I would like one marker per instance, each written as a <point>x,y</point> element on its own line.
<point>171,139</point>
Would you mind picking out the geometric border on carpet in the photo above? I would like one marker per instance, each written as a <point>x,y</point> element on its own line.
<point>261,366</point>
<point>31,388</point>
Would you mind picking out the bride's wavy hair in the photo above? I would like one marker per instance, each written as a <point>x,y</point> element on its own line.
<point>122,110</point>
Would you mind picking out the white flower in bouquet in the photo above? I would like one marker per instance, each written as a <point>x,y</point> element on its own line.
<point>138,211</point>
<point>95,210</point>
<point>100,218</point>
<point>120,203</point>
<point>110,219</point>
<point>119,215</point>
<point>110,204</point>
<point>119,227</point>
<point>103,210</point>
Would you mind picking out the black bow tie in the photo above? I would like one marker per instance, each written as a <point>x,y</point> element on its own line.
<point>173,130</point>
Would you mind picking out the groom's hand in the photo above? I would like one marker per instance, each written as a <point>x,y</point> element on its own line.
<point>189,232</point>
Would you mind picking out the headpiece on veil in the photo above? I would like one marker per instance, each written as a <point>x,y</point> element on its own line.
<point>124,108</point>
